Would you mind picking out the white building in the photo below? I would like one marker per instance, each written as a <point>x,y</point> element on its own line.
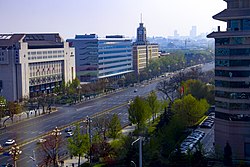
<point>33,63</point>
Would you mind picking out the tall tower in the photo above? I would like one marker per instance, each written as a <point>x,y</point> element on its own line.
<point>232,79</point>
<point>141,34</point>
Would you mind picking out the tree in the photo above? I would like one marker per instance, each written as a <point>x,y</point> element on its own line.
<point>13,108</point>
<point>3,106</point>
<point>48,150</point>
<point>101,125</point>
<point>139,112</point>
<point>189,110</point>
<point>79,144</point>
<point>114,126</point>
<point>154,104</point>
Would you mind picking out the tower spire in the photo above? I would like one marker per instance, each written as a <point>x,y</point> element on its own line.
<point>141,17</point>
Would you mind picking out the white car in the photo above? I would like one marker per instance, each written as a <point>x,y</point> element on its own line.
<point>10,142</point>
<point>69,134</point>
<point>39,141</point>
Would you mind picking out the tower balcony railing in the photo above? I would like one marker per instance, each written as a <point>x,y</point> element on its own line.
<point>247,90</point>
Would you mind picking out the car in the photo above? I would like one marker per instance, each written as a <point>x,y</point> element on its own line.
<point>135,90</point>
<point>68,129</point>
<point>206,125</point>
<point>42,140</point>
<point>10,142</point>
<point>1,148</point>
<point>69,134</point>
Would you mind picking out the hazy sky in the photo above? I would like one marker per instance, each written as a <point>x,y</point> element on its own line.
<point>70,17</point>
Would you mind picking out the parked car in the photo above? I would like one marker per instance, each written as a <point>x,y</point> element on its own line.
<point>135,90</point>
<point>10,142</point>
<point>206,125</point>
<point>1,148</point>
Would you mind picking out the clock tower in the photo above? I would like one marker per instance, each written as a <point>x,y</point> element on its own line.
<point>141,34</point>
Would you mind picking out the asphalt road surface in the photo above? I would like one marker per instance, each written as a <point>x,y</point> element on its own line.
<point>27,132</point>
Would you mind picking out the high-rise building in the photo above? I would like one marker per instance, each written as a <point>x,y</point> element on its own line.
<point>34,63</point>
<point>143,51</point>
<point>193,32</point>
<point>232,79</point>
<point>98,58</point>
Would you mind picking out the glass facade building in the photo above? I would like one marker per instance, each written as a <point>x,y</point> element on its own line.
<point>232,79</point>
<point>98,58</point>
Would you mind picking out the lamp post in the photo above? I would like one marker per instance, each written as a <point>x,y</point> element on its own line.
<point>78,91</point>
<point>88,123</point>
<point>15,153</point>
<point>140,150</point>
<point>56,133</point>
<point>123,80</point>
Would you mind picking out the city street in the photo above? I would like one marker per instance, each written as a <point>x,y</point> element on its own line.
<point>27,132</point>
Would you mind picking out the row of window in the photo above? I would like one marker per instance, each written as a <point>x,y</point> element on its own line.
<point>114,51</point>
<point>232,52</point>
<point>232,95</point>
<point>113,57</point>
<point>116,61</point>
<point>117,66</point>
<point>237,25</point>
<point>45,57</point>
<point>232,84</point>
<point>233,106</point>
<point>233,117</point>
<point>46,52</point>
<point>114,46</point>
<point>115,72</point>
<point>223,73</point>
<point>232,63</point>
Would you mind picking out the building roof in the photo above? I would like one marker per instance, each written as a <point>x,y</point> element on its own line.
<point>34,40</point>
<point>7,40</point>
<point>222,34</point>
<point>229,14</point>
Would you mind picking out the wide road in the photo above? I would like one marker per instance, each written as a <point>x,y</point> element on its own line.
<point>27,132</point>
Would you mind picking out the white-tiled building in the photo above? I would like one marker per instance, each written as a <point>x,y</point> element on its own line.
<point>34,63</point>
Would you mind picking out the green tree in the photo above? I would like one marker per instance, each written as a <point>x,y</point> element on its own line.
<point>154,104</point>
<point>79,144</point>
<point>2,108</point>
<point>139,112</point>
<point>13,108</point>
<point>189,110</point>
<point>114,127</point>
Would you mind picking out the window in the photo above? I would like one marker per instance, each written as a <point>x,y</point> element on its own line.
<point>1,85</point>
<point>247,150</point>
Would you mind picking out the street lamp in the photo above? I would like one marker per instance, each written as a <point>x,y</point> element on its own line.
<point>133,163</point>
<point>88,123</point>
<point>56,132</point>
<point>79,95</point>
<point>15,153</point>
<point>123,80</point>
<point>140,149</point>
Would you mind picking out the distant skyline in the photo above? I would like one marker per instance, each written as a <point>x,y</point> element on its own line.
<point>104,17</point>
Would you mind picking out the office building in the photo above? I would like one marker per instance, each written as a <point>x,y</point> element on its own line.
<point>143,51</point>
<point>98,58</point>
<point>193,32</point>
<point>33,63</point>
<point>232,79</point>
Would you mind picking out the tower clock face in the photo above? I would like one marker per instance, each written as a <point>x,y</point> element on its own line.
<point>140,32</point>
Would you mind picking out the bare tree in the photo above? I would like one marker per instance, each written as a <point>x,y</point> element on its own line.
<point>49,150</point>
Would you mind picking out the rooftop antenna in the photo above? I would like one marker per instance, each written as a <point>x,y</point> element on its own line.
<point>141,17</point>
